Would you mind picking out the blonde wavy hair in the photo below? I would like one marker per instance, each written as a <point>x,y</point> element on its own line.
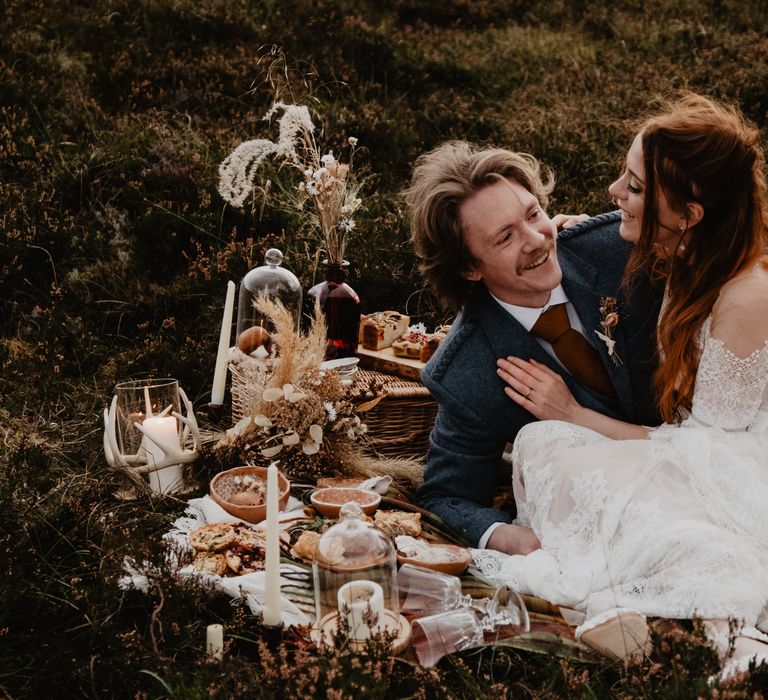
<point>442,179</point>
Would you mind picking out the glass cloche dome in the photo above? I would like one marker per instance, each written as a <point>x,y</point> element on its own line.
<point>274,281</point>
<point>355,577</point>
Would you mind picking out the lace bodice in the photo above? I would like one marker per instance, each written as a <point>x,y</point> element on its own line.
<point>731,392</point>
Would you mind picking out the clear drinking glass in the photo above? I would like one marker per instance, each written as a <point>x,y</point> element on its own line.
<point>506,608</point>
<point>425,591</point>
<point>435,636</point>
<point>150,403</point>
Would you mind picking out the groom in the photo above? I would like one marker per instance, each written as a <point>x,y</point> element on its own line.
<point>489,250</point>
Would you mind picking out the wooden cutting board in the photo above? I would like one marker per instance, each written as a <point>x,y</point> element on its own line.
<point>386,361</point>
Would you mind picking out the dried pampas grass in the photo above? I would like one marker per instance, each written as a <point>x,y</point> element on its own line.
<point>320,434</point>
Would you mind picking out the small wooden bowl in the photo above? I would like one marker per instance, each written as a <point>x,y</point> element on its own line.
<point>250,514</point>
<point>457,564</point>
<point>328,501</point>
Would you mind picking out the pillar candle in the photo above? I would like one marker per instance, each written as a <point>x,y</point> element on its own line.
<point>165,429</point>
<point>220,372</point>
<point>214,642</point>
<point>356,599</point>
<point>272,613</point>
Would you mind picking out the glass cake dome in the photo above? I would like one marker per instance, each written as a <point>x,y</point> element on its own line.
<point>274,281</point>
<point>355,579</point>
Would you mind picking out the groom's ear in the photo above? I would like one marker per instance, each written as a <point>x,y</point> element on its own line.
<point>694,213</point>
<point>472,275</point>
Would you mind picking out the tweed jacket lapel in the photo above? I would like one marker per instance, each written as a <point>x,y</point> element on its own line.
<point>505,334</point>
<point>585,288</point>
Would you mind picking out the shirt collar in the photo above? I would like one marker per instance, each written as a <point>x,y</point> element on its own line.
<point>527,316</point>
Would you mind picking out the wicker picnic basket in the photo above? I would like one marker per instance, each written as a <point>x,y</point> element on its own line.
<point>399,418</point>
<point>400,423</point>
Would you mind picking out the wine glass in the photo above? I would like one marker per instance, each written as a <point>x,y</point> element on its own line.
<point>425,591</point>
<point>435,636</point>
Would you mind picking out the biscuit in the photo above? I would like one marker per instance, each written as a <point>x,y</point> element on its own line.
<point>398,522</point>
<point>249,539</point>
<point>213,537</point>
<point>210,563</point>
<point>306,545</point>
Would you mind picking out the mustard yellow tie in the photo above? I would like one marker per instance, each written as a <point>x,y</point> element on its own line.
<point>573,350</point>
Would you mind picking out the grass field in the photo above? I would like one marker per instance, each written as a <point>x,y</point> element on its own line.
<point>115,250</point>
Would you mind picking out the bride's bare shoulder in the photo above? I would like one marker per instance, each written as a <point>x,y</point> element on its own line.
<point>740,316</point>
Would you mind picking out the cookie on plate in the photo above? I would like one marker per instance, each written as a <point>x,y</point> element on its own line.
<point>306,545</point>
<point>248,538</point>
<point>398,522</point>
<point>210,563</point>
<point>213,537</point>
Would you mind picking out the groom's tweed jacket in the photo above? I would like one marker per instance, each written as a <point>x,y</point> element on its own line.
<point>476,419</point>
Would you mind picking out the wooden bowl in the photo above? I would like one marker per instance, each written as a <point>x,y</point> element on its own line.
<point>460,559</point>
<point>328,501</point>
<point>221,490</point>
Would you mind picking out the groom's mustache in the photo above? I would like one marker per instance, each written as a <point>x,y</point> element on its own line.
<point>538,256</point>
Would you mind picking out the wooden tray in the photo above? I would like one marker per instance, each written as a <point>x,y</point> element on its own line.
<point>386,361</point>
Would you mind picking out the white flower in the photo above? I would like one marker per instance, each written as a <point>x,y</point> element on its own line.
<point>271,451</point>
<point>291,439</point>
<point>310,447</point>
<point>346,225</point>
<point>308,172</point>
<point>294,120</point>
<point>319,173</point>
<point>316,432</point>
<point>238,170</point>
<point>328,158</point>
<point>350,205</point>
<point>330,410</point>
<point>312,190</point>
<point>262,421</point>
<point>273,394</point>
<point>610,343</point>
<point>352,141</point>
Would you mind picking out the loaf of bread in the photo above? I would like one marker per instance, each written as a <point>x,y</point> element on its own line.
<point>380,329</point>
<point>409,344</point>
<point>419,345</point>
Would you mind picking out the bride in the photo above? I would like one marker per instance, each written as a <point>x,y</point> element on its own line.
<point>669,521</point>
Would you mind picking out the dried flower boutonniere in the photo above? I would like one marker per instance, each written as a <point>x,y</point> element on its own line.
<point>609,320</point>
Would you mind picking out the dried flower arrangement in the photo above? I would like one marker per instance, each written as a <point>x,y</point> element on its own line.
<point>298,413</point>
<point>329,184</point>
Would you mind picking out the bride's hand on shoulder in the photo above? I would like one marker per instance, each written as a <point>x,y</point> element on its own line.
<point>536,388</point>
<point>562,221</point>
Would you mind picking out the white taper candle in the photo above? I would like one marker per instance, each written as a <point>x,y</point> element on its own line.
<point>272,614</point>
<point>220,373</point>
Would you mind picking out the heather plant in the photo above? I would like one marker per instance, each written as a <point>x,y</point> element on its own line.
<point>115,249</point>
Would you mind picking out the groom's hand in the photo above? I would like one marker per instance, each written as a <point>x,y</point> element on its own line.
<point>513,539</point>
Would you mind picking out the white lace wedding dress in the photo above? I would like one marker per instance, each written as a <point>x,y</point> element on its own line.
<point>674,526</point>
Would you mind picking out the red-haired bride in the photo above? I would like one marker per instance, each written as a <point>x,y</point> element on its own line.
<point>669,521</point>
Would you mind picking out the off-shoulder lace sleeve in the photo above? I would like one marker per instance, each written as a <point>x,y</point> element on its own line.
<point>730,390</point>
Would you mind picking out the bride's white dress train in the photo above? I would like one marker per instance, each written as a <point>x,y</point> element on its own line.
<point>674,526</point>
